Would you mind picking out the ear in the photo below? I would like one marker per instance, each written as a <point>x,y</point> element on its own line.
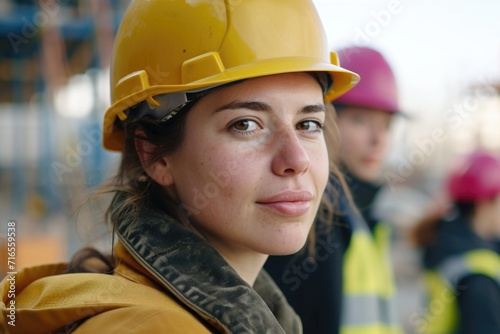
<point>157,170</point>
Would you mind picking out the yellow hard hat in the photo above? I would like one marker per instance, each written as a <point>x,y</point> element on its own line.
<point>165,47</point>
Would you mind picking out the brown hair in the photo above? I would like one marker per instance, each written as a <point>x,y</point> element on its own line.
<point>133,180</point>
<point>328,209</point>
<point>143,192</point>
<point>424,233</point>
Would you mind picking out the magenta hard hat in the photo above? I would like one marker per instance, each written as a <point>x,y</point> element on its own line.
<point>475,178</point>
<point>377,88</point>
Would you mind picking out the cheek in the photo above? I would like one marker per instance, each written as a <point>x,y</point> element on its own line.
<point>231,164</point>
<point>384,138</point>
<point>192,167</point>
<point>353,141</point>
<point>218,176</point>
<point>320,165</point>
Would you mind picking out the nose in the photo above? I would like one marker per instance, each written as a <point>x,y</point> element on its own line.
<point>377,135</point>
<point>291,157</point>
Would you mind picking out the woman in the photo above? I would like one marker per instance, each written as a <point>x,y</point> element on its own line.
<point>218,109</point>
<point>334,289</point>
<point>460,259</point>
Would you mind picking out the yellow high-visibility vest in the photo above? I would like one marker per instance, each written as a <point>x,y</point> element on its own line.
<point>442,313</point>
<point>368,304</point>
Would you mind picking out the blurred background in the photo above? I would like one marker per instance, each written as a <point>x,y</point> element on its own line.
<point>446,57</point>
<point>54,69</point>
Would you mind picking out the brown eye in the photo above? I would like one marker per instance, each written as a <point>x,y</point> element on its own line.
<point>309,125</point>
<point>245,126</point>
<point>242,125</point>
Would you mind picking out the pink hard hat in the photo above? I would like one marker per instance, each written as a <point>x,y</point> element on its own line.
<point>377,88</point>
<point>475,178</point>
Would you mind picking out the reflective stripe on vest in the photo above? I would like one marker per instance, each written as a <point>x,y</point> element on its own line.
<point>442,316</point>
<point>368,287</point>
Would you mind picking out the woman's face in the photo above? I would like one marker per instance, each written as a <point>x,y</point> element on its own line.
<point>364,134</point>
<point>253,164</point>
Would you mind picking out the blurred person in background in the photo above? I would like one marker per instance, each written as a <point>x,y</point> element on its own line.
<point>218,110</point>
<point>461,263</point>
<point>346,286</point>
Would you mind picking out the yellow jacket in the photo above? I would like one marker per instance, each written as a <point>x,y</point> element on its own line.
<point>126,302</point>
<point>167,280</point>
<point>129,301</point>
<point>443,312</point>
<point>369,289</point>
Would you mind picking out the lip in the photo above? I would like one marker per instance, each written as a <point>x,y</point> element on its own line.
<point>288,203</point>
<point>369,160</point>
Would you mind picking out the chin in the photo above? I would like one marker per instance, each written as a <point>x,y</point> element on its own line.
<point>286,249</point>
<point>287,237</point>
<point>285,252</point>
<point>368,174</point>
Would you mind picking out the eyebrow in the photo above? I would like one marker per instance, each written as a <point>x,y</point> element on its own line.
<point>260,106</point>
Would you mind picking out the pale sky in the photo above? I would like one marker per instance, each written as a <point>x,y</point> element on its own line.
<point>438,49</point>
<point>435,46</point>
